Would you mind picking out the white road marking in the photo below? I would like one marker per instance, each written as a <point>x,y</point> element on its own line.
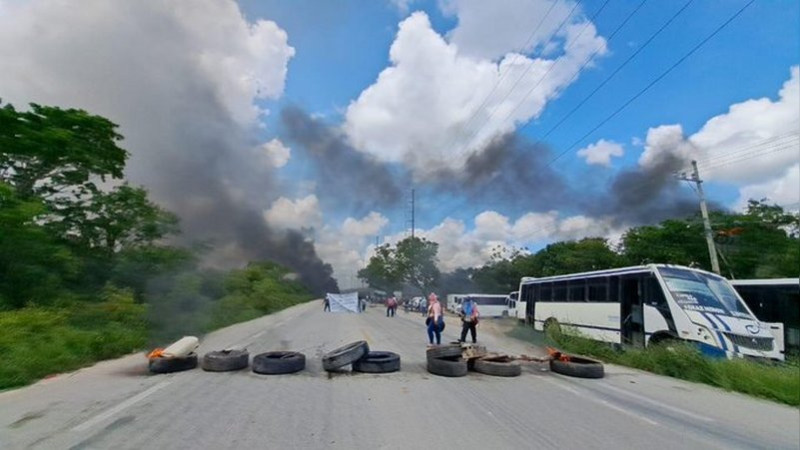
<point>120,407</point>
<point>660,405</point>
<point>588,396</point>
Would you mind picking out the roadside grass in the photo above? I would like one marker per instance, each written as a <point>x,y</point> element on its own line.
<point>39,341</point>
<point>777,382</point>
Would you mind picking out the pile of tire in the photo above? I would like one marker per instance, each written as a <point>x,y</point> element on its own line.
<point>278,363</point>
<point>446,361</point>
<point>361,359</point>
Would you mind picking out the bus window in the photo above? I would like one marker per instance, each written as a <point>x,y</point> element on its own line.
<point>560,291</point>
<point>577,291</point>
<point>546,293</point>
<point>598,290</point>
<point>613,289</point>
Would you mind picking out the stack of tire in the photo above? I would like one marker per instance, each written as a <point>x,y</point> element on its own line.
<point>358,355</point>
<point>446,361</point>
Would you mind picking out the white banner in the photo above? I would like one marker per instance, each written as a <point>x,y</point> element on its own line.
<point>344,302</point>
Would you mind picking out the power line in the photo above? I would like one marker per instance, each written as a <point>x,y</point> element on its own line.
<point>527,69</point>
<point>747,150</point>
<point>616,71</point>
<point>706,151</point>
<point>503,76</point>
<point>653,82</point>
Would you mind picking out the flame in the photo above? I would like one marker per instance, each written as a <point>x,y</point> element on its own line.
<point>555,354</point>
<point>156,353</point>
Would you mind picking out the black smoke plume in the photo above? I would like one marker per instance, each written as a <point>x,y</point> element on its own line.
<point>346,178</point>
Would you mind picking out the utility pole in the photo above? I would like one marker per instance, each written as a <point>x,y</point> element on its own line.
<point>712,250</point>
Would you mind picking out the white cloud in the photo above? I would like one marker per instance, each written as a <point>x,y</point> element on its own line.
<point>370,225</point>
<point>600,153</point>
<point>490,30</point>
<point>751,145</point>
<point>277,153</point>
<point>418,109</point>
<point>749,123</point>
<point>783,190</point>
<point>347,248</point>
<point>294,214</point>
<point>460,247</point>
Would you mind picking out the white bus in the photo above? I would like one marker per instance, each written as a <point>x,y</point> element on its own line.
<point>511,303</point>
<point>454,302</point>
<point>643,305</point>
<point>488,305</point>
<point>777,302</point>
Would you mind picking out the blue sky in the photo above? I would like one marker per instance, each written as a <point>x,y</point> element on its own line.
<point>414,92</point>
<point>342,47</point>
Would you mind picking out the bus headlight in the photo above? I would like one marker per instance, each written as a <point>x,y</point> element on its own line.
<point>705,335</point>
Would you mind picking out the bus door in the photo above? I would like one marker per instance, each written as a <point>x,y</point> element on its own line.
<point>631,310</point>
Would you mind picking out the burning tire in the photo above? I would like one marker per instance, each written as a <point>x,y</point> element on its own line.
<point>378,362</point>
<point>163,364</point>
<point>578,366</point>
<point>450,367</point>
<point>345,355</point>
<point>277,363</point>
<point>499,367</point>
<point>225,360</point>
<point>444,351</point>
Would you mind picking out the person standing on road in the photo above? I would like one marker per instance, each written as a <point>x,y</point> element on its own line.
<point>435,319</point>
<point>391,306</point>
<point>469,319</point>
<point>327,303</point>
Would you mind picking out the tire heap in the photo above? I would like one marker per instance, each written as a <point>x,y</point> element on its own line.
<point>358,355</point>
<point>455,360</point>
<point>447,361</point>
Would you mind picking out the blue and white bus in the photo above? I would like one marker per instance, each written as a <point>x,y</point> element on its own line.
<point>643,305</point>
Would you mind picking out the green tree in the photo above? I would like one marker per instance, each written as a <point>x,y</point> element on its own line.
<point>412,261</point>
<point>57,154</point>
<point>382,271</point>
<point>416,260</point>
<point>120,219</point>
<point>761,242</point>
<point>33,265</point>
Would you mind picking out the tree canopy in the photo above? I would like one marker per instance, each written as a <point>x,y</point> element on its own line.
<point>411,262</point>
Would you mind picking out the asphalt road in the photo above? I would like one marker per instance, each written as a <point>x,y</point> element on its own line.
<point>117,405</point>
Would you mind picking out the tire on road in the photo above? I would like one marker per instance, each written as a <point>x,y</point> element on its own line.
<point>449,367</point>
<point>278,363</point>
<point>498,368</point>
<point>378,362</point>
<point>225,360</point>
<point>345,355</point>
<point>174,364</point>
<point>444,351</point>
<point>578,366</point>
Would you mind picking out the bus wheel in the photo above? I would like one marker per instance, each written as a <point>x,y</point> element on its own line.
<point>552,328</point>
<point>664,340</point>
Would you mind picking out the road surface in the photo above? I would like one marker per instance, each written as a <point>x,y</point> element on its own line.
<point>117,405</point>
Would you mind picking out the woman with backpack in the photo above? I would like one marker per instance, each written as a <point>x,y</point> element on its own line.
<point>469,319</point>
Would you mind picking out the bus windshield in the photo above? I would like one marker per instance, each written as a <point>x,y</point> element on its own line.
<point>697,291</point>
